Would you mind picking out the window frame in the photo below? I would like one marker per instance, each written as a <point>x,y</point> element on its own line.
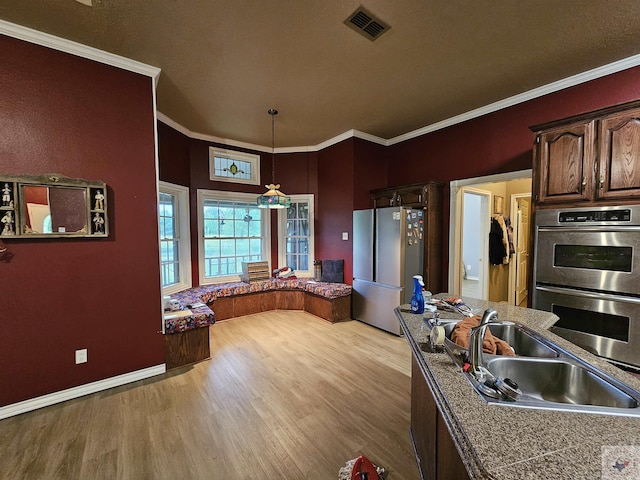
<point>202,195</point>
<point>282,233</point>
<point>253,159</point>
<point>181,194</point>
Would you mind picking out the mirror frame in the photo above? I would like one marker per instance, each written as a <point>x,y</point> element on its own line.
<point>13,215</point>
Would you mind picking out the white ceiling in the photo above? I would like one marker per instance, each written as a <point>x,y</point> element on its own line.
<point>225,63</point>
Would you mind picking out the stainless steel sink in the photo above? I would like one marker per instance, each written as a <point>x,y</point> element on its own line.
<point>524,341</point>
<point>545,376</point>
<point>562,381</point>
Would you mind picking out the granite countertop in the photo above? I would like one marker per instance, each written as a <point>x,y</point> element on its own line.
<point>505,443</point>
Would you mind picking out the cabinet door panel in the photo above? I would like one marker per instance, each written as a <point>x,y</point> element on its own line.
<point>619,156</point>
<point>566,163</point>
<point>450,466</point>
<point>423,422</point>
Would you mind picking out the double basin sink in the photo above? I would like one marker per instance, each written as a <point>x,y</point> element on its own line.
<point>543,375</point>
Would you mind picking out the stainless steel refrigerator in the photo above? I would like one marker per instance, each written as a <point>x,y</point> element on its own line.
<point>388,249</point>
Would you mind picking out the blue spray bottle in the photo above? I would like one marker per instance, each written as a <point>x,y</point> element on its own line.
<point>417,300</point>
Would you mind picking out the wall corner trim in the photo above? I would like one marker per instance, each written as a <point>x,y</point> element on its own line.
<point>79,391</point>
<point>78,49</point>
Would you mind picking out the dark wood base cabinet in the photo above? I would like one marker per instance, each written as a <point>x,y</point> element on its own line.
<point>436,454</point>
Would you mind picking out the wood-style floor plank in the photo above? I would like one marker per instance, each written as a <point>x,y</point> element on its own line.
<point>285,395</point>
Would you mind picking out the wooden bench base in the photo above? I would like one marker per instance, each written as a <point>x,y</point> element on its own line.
<point>184,348</point>
<point>333,310</point>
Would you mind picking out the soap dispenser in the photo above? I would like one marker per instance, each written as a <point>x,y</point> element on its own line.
<point>417,300</point>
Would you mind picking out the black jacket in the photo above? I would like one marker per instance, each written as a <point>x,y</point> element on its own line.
<point>497,250</point>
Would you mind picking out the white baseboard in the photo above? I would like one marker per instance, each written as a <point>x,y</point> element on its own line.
<point>79,391</point>
<point>469,277</point>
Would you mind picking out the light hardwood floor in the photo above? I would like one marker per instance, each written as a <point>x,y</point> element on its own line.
<point>285,396</point>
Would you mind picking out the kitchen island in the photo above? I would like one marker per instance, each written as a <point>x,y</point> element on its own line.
<point>457,435</point>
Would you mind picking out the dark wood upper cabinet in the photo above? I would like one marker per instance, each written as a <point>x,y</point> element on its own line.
<point>619,155</point>
<point>566,163</point>
<point>589,158</point>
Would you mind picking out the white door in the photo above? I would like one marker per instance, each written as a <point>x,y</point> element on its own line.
<point>522,250</point>
<point>474,248</point>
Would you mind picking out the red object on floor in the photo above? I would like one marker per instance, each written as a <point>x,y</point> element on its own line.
<point>364,465</point>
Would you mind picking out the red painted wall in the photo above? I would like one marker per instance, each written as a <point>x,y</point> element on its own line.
<point>79,118</point>
<point>297,173</point>
<point>343,175</point>
<point>173,153</point>
<point>369,171</point>
<point>335,204</point>
<point>499,142</point>
<point>185,161</point>
<point>340,177</point>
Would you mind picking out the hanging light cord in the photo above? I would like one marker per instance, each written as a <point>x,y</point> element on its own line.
<point>273,112</point>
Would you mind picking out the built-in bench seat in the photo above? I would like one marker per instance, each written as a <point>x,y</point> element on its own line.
<point>331,301</point>
<point>209,303</point>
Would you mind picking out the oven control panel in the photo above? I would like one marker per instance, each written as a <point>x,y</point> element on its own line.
<point>617,215</point>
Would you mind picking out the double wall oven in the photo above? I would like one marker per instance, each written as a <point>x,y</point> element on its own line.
<point>587,272</point>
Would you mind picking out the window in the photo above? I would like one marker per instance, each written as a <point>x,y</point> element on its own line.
<point>295,239</point>
<point>175,250</point>
<point>232,166</point>
<point>234,230</point>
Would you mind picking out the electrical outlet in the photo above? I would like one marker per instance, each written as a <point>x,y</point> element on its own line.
<point>81,356</point>
<point>345,235</point>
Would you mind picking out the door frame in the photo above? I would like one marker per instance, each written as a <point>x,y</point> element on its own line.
<point>455,220</point>
<point>513,264</point>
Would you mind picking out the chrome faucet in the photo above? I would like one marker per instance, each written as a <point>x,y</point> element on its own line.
<point>489,315</point>
<point>476,338</point>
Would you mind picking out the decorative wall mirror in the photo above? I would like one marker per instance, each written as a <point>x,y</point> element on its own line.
<point>52,205</point>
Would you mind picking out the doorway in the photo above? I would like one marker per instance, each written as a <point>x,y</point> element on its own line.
<point>498,283</point>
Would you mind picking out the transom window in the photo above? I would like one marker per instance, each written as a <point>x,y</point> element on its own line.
<point>295,239</point>
<point>232,166</point>
<point>234,230</point>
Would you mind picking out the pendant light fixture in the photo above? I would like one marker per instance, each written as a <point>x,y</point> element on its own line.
<point>273,197</point>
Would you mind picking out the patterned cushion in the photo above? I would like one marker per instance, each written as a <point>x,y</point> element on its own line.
<point>328,290</point>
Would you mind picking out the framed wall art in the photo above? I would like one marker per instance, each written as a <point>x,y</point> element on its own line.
<point>498,205</point>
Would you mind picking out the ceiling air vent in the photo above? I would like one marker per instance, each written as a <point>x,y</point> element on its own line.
<point>366,24</point>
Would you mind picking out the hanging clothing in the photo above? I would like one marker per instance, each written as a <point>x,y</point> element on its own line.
<point>497,250</point>
<point>505,237</point>
<point>512,249</point>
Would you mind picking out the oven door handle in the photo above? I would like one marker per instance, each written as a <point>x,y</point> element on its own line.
<point>587,228</point>
<point>584,294</point>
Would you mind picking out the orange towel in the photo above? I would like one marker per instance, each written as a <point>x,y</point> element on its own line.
<point>491,344</point>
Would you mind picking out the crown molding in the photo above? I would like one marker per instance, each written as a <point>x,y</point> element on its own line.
<point>77,49</point>
<point>572,81</point>
<point>261,148</point>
